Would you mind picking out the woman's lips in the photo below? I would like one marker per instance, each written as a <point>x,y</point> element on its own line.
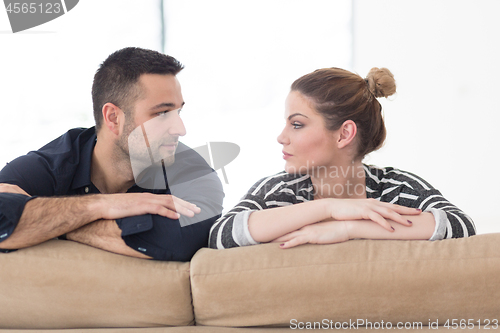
<point>286,155</point>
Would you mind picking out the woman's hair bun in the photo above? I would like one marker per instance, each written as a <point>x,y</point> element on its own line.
<point>381,82</point>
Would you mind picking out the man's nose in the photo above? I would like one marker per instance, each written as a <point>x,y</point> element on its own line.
<point>177,127</point>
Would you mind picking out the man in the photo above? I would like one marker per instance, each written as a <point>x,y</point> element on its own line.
<point>84,185</point>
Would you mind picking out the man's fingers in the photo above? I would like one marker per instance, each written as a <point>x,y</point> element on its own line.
<point>179,206</point>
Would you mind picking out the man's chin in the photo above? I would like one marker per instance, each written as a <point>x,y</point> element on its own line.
<point>168,160</point>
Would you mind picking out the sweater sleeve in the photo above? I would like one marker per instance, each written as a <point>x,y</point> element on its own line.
<point>451,222</point>
<point>231,229</point>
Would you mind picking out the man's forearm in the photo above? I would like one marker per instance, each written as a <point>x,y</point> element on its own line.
<point>104,235</point>
<point>46,218</point>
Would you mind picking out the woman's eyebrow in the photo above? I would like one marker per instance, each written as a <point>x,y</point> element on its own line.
<point>296,114</point>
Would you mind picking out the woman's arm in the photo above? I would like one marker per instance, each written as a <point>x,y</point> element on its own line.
<point>268,225</point>
<point>330,232</point>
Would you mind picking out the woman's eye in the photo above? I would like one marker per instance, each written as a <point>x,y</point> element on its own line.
<point>297,125</point>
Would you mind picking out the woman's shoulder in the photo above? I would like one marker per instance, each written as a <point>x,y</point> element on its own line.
<point>279,181</point>
<point>389,176</point>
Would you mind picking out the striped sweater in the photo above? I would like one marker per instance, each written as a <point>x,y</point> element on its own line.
<point>384,184</point>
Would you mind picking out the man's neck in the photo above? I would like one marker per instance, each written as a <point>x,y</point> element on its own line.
<point>110,172</point>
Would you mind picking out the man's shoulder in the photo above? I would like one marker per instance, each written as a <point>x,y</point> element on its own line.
<point>72,139</point>
<point>49,170</point>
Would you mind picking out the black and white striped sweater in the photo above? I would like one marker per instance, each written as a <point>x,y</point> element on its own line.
<point>384,184</point>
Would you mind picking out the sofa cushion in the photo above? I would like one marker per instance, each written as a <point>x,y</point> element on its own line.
<point>396,281</point>
<point>63,284</point>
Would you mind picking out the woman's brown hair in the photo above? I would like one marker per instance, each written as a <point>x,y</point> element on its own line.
<point>339,95</point>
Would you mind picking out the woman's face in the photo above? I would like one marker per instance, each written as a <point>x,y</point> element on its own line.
<point>306,141</point>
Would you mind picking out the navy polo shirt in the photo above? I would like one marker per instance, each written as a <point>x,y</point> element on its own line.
<point>62,168</point>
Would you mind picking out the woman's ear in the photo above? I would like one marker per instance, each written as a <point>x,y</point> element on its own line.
<point>347,133</point>
<point>112,117</point>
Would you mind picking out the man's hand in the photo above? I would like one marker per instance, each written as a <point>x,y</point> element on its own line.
<point>9,188</point>
<point>115,206</point>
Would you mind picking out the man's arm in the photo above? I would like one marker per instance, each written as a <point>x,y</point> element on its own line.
<point>46,218</point>
<point>104,235</point>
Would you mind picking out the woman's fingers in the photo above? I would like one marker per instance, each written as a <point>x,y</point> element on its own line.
<point>377,218</point>
<point>371,209</point>
<point>318,233</point>
<point>294,242</point>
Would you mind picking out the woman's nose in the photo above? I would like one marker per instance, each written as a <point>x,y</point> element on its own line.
<point>282,138</point>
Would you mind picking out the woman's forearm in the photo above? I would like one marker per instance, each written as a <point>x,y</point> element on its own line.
<point>423,226</point>
<point>269,224</point>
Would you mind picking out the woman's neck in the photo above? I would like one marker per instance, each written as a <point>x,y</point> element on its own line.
<point>339,181</point>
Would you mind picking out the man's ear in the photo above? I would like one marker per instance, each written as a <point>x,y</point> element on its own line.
<point>347,133</point>
<point>113,117</point>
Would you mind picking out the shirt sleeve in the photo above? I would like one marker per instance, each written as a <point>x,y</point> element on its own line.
<point>29,173</point>
<point>11,209</point>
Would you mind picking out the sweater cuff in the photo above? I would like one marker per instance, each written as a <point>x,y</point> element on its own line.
<point>441,219</point>
<point>241,234</point>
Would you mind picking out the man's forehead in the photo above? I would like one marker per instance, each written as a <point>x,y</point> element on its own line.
<point>160,89</point>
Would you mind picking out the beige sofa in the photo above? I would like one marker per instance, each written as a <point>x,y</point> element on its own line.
<point>361,284</point>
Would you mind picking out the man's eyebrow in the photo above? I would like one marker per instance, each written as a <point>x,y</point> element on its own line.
<point>296,114</point>
<point>166,105</point>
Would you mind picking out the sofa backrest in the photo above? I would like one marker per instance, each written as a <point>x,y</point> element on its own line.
<point>63,284</point>
<point>360,280</point>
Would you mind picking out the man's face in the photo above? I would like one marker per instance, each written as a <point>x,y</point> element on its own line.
<point>152,137</point>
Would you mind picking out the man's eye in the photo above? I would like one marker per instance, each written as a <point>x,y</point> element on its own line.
<point>162,113</point>
<point>297,125</point>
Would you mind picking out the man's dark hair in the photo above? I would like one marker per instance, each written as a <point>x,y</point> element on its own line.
<point>116,79</point>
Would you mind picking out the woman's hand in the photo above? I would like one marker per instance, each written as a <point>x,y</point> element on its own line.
<point>370,209</point>
<point>318,233</point>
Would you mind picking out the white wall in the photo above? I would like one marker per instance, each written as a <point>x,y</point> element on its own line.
<point>241,58</point>
<point>443,123</point>
<point>47,71</point>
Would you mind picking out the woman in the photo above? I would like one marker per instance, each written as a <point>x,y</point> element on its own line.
<point>326,194</point>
